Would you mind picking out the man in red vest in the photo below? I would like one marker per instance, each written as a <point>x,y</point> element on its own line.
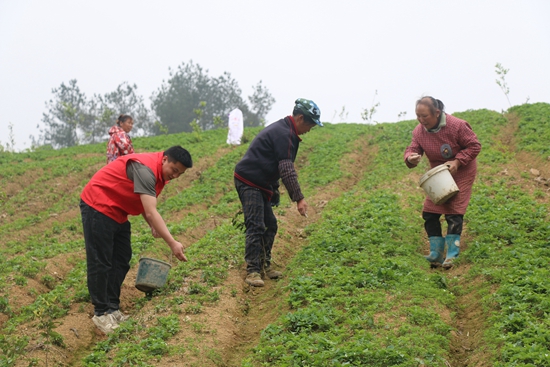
<point>129,185</point>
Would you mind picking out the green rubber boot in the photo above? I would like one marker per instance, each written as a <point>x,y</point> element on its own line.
<point>453,249</point>
<point>437,245</point>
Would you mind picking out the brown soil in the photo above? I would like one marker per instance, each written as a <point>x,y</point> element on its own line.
<point>469,323</point>
<point>531,173</point>
<point>224,332</point>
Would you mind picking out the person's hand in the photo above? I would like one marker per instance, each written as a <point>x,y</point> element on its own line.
<point>177,250</point>
<point>302,207</point>
<point>275,198</point>
<point>453,166</point>
<point>414,159</point>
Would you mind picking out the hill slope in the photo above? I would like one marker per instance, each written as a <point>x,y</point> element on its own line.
<point>356,289</point>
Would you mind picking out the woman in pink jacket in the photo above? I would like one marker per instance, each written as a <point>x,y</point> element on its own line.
<point>120,142</point>
<point>448,140</point>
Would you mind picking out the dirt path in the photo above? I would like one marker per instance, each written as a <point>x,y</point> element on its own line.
<point>532,174</point>
<point>468,323</point>
<point>260,307</point>
<point>223,333</point>
<point>76,328</point>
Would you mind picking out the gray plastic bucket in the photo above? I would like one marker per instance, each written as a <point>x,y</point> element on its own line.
<point>152,274</point>
<point>439,185</point>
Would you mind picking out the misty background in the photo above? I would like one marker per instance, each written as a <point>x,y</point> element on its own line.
<point>347,56</point>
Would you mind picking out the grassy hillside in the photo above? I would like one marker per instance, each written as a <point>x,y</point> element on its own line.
<point>356,289</point>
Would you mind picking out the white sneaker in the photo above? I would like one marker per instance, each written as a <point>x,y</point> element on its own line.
<point>119,316</point>
<point>106,323</point>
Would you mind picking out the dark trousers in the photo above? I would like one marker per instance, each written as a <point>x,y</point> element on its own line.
<point>261,227</point>
<point>108,254</point>
<point>433,225</point>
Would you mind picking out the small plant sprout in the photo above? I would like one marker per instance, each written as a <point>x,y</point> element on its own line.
<point>343,114</point>
<point>401,115</point>
<point>368,114</point>
<point>10,145</point>
<point>501,81</point>
<point>162,128</point>
<point>218,121</point>
<point>195,124</point>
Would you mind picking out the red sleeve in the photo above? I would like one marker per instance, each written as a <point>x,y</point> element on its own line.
<point>469,144</point>
<point>414,147</point>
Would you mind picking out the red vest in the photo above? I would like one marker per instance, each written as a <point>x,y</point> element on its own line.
<point>110,192</point>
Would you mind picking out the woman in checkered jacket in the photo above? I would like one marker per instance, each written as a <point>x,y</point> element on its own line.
<point>444,139</point>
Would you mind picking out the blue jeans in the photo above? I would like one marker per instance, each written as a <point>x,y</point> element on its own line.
<point>108,255</point>
<point>261,227</point>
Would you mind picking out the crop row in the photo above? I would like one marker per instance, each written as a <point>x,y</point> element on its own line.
<point>221,249</point>
<point>361,292</point>
<point>206,254</point>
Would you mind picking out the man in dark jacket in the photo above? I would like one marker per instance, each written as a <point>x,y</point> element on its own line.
<point>271,157</point>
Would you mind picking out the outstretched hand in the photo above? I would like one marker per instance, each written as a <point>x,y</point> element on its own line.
<point>177,250</point>
<point>414,159</point>
<point>302,207</point>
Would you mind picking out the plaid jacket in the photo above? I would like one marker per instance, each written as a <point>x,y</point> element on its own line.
<point>456,140</point>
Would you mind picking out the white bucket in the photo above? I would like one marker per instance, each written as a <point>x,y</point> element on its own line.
<point>439,185</point>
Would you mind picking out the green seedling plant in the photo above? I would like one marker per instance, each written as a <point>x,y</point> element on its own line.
<point>354,263</point>
<point>356,288</point>
<point>533,128</point>
<point>501,80</point>
<point>10,144</point>
<point>368,113</point>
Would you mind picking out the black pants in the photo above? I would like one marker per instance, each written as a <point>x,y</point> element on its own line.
<point>261,227</point>
<point>433,225</point>
<point>108,255</point>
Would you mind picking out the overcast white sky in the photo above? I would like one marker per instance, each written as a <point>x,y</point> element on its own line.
<point>337,53</point>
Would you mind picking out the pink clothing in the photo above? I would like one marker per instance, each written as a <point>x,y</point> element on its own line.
<point>455,140</point>
<point>119,144</point>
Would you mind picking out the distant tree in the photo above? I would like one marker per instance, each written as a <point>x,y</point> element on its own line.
<point>108,107</point>
<point>261,102</point>
<point>73,119</point>
<point>189,86</point>
<point>66,113</point>
<point>96,130</point>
